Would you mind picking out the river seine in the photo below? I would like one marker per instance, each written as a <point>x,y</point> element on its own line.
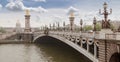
<point>40,52</point>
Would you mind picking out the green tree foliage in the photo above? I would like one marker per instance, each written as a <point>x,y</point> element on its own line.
<point>112,27</point>
<point>98,27</point>
<point>2,30</point>
<point>87,28</point>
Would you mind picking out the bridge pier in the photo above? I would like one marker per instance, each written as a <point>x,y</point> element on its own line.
<point>28,37</point>
<point>107,49</point>
<point>102,51</point>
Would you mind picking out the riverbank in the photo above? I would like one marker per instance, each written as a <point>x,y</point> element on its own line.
<point>14,42</point>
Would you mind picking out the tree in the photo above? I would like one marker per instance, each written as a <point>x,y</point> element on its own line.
<point>112,27</point>
<point>87,28</point>
<point>98,27</point>
<point>2,30</point>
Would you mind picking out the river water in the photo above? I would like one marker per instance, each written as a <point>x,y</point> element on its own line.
<point>41,52</point>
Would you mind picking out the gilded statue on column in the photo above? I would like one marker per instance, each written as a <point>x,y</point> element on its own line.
<point>27,12</point>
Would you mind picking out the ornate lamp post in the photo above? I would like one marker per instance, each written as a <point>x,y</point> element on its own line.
<point>81,22</point>
<point>58,26</point>
<point>53,26</point>
<point>94,22</point>
<point>105,22</point>
<point>50,26</point>
<point>64,25</point>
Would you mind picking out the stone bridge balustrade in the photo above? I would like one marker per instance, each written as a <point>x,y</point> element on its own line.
<point>114,36</point>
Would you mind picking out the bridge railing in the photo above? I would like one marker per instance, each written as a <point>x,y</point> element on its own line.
<point>114,36</point>
<point>97,35</point>
<point>89,35</point>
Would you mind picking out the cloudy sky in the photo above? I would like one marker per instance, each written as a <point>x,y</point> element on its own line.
<point>44,12</point>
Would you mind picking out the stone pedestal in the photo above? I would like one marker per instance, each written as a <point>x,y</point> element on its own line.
<point>103,32</point>
<point>27,30</point>
<point>106,31</point>
<point>28,36</point>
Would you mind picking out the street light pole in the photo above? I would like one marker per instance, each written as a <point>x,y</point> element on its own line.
<point>50,26</point>
<point>64,26</point>
<point>105,22</point>
<point>53,26</point>
<point>81,22</point>
<point>94,23</point>
<point>58,26</point>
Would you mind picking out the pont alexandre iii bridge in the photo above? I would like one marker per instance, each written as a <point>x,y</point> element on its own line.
<point>102,46</point>
<point>95,46</point>
<point>92,45</point>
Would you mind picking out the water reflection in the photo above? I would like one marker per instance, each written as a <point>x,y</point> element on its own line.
<point>20,53</point>
<point>59,52</point>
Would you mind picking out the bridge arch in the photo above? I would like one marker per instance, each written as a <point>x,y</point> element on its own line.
<point>73,45</point>
<point>115,57</point>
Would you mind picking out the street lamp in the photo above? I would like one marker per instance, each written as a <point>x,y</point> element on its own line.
<point>105,5</point>
<point>64,25</point>
<point>53,26</point>
<point>81,22</point>
<point>94,22</point>
<point>50,26</point>
<point>58,26</point>
<point>105,22</point>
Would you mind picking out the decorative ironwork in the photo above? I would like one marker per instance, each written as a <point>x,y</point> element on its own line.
<point>94,22</point>
<point>105,22</point>
<point>64,25</point>
<point>81,22</point>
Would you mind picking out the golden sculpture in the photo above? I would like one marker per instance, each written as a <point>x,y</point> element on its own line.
<point>72,14</point>
<point>27,12</point>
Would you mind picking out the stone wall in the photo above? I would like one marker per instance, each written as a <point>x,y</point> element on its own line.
<point>106,50</point>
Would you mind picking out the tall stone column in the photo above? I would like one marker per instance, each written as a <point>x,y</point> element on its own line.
<point>71,21</point>
<point>27,22</point>
<point>27,35</point>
